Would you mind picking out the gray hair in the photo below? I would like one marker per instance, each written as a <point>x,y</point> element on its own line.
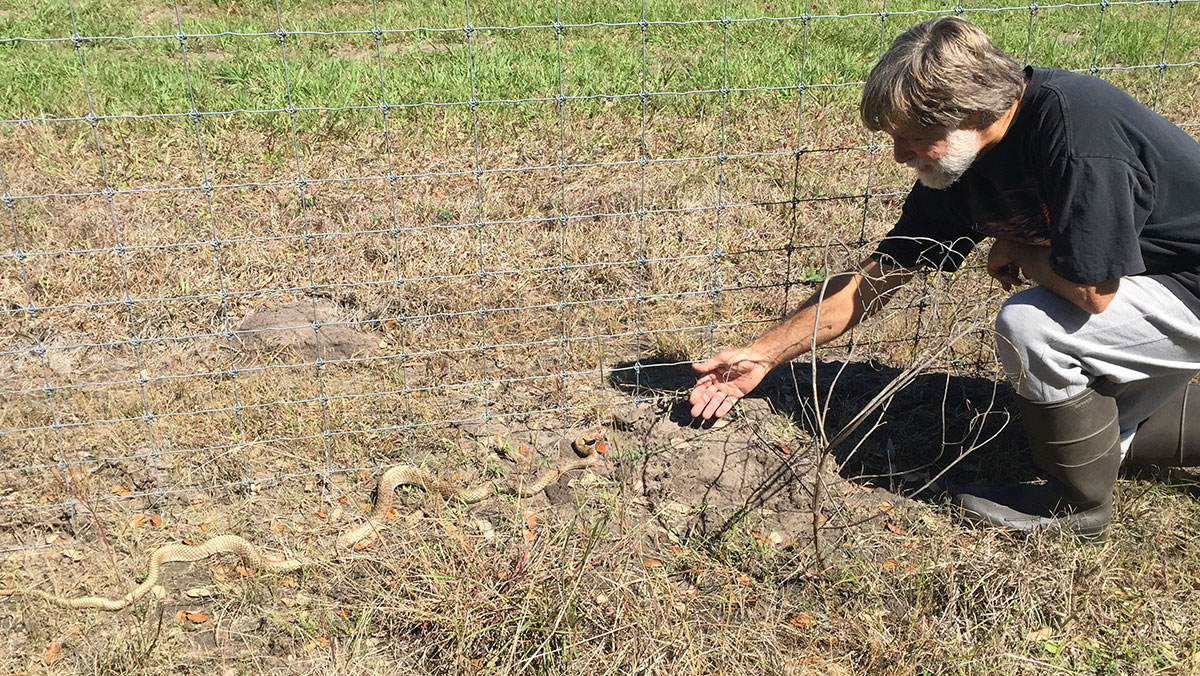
<point>940,74</point>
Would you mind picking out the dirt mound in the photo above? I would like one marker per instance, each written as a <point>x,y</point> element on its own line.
<point>305,327</point>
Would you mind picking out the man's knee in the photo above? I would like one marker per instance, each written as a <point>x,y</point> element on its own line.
<point>1032,317</point>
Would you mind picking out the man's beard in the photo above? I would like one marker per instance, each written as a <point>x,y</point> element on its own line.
<point>962,147</point>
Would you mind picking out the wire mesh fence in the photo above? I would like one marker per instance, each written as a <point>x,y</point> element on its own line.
<point>302,241</point>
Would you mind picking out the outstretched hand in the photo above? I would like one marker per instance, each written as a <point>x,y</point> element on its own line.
<point>727,377</point>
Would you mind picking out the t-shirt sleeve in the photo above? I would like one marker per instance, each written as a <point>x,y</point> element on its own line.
<point>1096,208</point>
<point>1098,196</point>
<point>930,233</point>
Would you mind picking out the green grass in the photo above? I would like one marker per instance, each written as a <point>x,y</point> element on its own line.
<point>237,72</point>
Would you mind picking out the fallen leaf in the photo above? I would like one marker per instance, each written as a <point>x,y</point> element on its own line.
<point>138,521</point>
<point>342,498</point>
<point>196,617</point>
<point>244,572</point>
<point>455,476</point>
<point>532,521</point>
<point>885,506</point>
<point>206,527</point>
<point>156,519</point>
<point>784,450</point>
<point>601,447</point>
<point>890,564</point>
<point>287,582</point>
<point>364,543</point>
<point>529,536</point>
<point>1040,634</point>
<point>74,554</point>
<point>896,529</point>
<point>179,614</point>
<point>364,506</point>
<point>220,573</point>
<point>800,620</point>
<point>321,514</point>
<point>51,653</point>
<point>449,527</point>
<point>745,581</point>
<point>392,514</point>
<point>651,563</point>
<point>278,527</point>
<point>321,641</point>
<point>523,450</point>
<point>121,491</point>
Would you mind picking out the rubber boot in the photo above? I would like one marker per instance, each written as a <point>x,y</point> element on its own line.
<point>1077,443</point>
<point>1170,437</point>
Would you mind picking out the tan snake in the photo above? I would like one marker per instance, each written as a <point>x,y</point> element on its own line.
<point>407,475</point>
<point>585,445</point>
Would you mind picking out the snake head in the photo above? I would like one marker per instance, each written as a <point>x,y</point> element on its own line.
<point>587,444</point>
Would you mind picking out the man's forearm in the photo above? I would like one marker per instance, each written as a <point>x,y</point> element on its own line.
<point>1092,298</point>
<point>838,307</point>
<point>816,322</point>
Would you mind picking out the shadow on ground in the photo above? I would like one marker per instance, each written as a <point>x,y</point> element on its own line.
<point>930,422</point>
<point>934,435</point>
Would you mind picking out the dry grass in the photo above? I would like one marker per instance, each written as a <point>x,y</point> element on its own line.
<point>903,590</point>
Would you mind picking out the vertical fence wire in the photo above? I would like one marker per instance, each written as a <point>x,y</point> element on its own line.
<point>135,339</point>
<point>302,195</point>
<point>401,315</point>
<point>216,243</point>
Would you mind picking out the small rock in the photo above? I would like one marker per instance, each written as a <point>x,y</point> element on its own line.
<point>489,533</point>
<point>198,593</point>
<point>633,418</point>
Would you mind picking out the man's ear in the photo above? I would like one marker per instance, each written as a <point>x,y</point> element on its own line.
<point>977,121</point>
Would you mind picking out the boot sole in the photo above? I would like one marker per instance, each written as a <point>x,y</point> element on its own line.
<point>1090,526</point>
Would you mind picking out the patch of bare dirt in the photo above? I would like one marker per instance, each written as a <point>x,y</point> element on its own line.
<point>307,328</point>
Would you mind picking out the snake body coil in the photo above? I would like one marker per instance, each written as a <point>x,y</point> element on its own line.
<point>402,475</point>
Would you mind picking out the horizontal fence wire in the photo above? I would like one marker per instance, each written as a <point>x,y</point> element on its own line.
<point>167,377</point>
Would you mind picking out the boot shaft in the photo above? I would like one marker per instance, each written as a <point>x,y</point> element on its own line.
<point>1077,442</point>
<point>1170,437</point>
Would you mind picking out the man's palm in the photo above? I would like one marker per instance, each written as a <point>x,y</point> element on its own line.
<point>728,377</point>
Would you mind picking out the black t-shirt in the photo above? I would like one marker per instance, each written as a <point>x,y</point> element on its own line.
<point>1111,186</point>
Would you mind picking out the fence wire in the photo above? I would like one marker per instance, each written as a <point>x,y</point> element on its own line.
<point>178,382</point>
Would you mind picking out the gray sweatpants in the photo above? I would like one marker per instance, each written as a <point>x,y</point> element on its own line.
<point>1146,344</point>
